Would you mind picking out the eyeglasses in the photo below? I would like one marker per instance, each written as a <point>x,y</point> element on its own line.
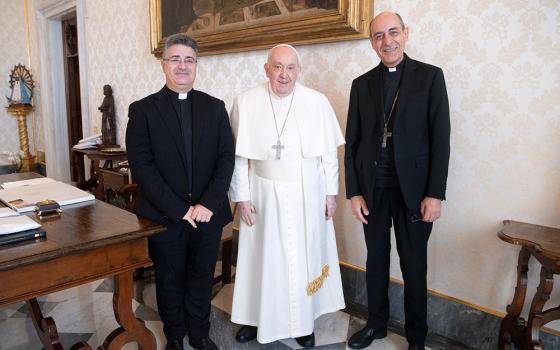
<point>176,60</point>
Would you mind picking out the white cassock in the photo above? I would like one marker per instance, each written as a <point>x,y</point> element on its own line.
<point>287,270</point>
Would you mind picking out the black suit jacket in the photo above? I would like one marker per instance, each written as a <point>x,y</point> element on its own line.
<point>420,134</point>
<point>158,161</point>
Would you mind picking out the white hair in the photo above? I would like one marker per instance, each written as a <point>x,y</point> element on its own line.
<point>288,46</point>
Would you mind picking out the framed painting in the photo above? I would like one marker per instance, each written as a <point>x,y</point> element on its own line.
<point>223,26</point>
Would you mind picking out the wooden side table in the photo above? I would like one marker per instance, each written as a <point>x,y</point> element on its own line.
<point>544,244</point>
<point>95,182</point>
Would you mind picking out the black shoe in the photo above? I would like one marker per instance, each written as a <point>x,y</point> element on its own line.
<point>365,336</point>
<point>174,345</point>
<point>307,341</point>
<point>246,334</point>
<point>203,344</point>
<point>416,347</point>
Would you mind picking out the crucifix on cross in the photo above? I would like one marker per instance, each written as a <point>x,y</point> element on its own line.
<point>386,134</point>
<point>278,147</point>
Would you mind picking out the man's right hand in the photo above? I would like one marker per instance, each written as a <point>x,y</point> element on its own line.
<point>246,210</point>
<point>359,208</point>
<point>188,216</point>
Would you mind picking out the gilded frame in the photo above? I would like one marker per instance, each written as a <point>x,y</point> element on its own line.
<point>349,22</point>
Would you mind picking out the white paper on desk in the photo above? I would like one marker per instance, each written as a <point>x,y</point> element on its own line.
<point>89,142</point>
<point>13,224</point>
<point>30,182</point>
<point>23,199</point>
<point>86,145</point>
<point>92,138</point>
<point>4,212</point>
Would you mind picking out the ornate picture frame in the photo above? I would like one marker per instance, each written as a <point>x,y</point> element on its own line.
<point>225,26</point>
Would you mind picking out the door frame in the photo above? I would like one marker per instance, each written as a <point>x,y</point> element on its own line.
<point>53,89</point>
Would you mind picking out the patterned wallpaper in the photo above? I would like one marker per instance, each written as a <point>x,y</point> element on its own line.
<point>503,77</point>
<point>13,52</point>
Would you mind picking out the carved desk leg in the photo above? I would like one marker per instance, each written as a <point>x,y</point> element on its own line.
<point>535,321</point>
<point>46,329</point>
<point>513,326</point>
<point>131,329</point>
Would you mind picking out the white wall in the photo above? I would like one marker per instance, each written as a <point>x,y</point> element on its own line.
<point>502,70</point>
<point>13,51</point>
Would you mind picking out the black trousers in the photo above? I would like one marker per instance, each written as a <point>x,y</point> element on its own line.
<point>411,235</point>
<point>184,270</point>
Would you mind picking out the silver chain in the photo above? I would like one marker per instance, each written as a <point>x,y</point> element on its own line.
<point>274,114</point>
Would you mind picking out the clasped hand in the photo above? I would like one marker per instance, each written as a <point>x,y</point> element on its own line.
<point>198,213</point>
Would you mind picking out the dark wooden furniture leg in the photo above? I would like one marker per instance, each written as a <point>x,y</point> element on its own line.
<point>536,321</point>
<point>87,185</point>
<point>79,164</point>
<point>227,248</point>
<point>513,327</point>
<point>99,190</point>
<point>131,328</point>
<point>46,329</point>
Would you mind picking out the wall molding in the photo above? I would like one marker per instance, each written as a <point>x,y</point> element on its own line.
<point>84,72</point>
<point>450,298</point>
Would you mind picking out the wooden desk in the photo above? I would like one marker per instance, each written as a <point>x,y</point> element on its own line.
<point>17,177</point>
<point>544,244</point>
<point>95,181</point>
<point>88,242</point>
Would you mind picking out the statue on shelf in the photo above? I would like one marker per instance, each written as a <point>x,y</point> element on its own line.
<point>20,105</point>
<point>21,86</point>
<point>108,124</point>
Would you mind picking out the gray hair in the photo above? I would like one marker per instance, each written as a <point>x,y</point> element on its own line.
<point>396,14</point>
<point>180,39</point>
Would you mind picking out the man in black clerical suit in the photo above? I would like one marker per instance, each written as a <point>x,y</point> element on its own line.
<point>396,163</point>
<point>180,149</point>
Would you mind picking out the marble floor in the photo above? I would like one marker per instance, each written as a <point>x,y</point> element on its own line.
<point>85,314</point>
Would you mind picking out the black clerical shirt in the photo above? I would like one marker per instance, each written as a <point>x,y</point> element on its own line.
<point>183,110</point>
<point>386,175</point>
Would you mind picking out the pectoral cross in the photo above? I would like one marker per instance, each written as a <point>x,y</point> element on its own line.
<point>278,147</point>
<point>386,134</point>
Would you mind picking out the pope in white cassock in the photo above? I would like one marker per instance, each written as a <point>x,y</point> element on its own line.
<point>285,183</point>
